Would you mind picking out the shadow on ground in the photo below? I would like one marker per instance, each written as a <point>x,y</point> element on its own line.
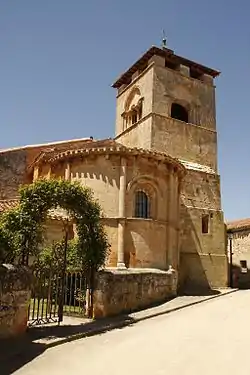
<point>16,357</point>
<point>16,353</point>
<point>199,292</point>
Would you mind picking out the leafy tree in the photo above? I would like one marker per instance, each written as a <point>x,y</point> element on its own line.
<point>21,229</point>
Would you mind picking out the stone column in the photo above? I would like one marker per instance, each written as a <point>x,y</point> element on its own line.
<point>67,172</point>
<point>35,173</point>
<point>172,199</point>
<point>177,222</point>
<point>121,213</point>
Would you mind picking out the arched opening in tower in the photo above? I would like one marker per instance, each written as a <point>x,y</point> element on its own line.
<point>179,112</point>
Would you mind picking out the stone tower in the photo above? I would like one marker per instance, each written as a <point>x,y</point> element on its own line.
<point>167,103</point>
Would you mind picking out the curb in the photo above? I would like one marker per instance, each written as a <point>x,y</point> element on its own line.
<point>124,324</point>
<point>183,306</point>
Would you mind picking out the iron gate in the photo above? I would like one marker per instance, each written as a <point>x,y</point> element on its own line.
<point>55,294</point>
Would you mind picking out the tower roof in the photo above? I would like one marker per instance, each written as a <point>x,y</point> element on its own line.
<point>164,52</point>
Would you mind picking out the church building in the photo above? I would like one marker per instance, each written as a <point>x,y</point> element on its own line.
<point>157,181</point>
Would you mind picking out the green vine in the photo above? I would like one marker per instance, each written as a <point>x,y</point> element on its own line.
<point>21,229</point>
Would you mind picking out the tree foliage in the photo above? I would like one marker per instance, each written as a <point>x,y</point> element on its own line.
<point>21,229</point>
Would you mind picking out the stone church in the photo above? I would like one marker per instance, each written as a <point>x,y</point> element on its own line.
<point>157,181</point>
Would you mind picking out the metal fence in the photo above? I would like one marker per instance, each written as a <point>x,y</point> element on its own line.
<point>55,294</point>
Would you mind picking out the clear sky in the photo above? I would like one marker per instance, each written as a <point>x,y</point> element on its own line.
<point>58,59</point>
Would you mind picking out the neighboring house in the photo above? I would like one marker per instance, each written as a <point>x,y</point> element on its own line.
<point>157,180</point>
<point>239,233</point>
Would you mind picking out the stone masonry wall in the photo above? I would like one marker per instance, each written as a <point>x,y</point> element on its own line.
<point>241,252</point>
<point>125,291</point>
<point>203,260</point>
<point>145,84</point>
<point>196,140</point>
<point>14,164</point>
<point>15,284</point>
<point>12,173</point>
<point>192,142</point>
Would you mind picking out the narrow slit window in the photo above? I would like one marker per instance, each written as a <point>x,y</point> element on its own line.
<point>205,224</point>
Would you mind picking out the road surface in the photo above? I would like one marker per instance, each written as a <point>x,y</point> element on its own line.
<point>209,338</point>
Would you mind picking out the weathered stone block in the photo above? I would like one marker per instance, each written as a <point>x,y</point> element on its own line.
<point>15,284</point>
<point>124,291</point>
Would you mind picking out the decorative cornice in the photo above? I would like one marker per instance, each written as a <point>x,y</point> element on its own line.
<point>111,147</point>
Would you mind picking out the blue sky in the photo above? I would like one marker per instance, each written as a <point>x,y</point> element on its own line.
<point>58,59</point>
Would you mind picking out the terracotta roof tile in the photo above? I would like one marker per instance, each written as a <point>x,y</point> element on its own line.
<point>103,146</point>
<point>238,224</point>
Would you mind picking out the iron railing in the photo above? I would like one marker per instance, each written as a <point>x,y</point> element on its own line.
<point>55,295</point>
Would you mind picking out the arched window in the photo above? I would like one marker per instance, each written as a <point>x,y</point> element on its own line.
<point>179,112</point>
<point>133,108</point>
<point>142,205</point>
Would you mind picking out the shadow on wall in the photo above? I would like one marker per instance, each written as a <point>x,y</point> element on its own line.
<point>192,276</point>
<point>108,173</point>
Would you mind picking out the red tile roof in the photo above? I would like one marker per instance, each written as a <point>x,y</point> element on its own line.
<point>238,224</point>
<point>103,146</point>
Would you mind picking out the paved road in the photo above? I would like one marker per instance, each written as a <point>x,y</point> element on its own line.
<point>210,338</point>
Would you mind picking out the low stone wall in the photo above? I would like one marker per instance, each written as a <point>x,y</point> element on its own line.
<point>15,284</point>
<point>122,291</point>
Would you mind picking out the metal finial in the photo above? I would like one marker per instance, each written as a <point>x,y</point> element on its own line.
<point>164,39</point>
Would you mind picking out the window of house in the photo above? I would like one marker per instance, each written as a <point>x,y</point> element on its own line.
<point>205,224</point>
<point>179,112</point>
<point>142,205</point>
<point>243,264</point>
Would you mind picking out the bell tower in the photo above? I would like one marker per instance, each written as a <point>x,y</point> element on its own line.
<point>166,103</point>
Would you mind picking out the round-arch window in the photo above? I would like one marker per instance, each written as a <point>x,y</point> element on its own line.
<point>179,112</point>
<point>142,205</point>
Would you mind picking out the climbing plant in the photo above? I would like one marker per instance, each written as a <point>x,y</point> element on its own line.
<point>22,228</point>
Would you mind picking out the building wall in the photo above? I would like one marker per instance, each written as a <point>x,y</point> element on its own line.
<point>202,258</point>
<point>146,244</point>
<point>146,241</point>
<point>138,135</point>
<point>145,84</point>
<point>14,164</point>
<point>241,252</point>
<point>12,173</point>
<point>196,140</point>
<point>101,174</point>
<point>196,96</point>
<point>191,142</point>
